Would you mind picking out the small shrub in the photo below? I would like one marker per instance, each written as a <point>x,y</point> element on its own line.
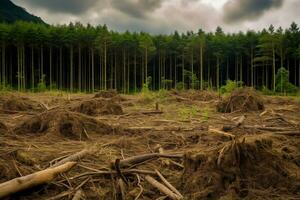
<point>230,86</point>
<point>282,83</point>
<point>41,87</point>
<point>187,113</point>
<point>180,86</point>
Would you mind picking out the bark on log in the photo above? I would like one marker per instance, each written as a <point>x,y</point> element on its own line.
<point>35,179</point>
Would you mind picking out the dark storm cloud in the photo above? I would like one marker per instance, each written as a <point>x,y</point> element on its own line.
<point>241,10</point>
<point>63,6</point>
<point>136,8</point>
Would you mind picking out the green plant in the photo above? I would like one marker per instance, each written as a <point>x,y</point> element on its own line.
<point>282,83</point>
<point>180,86</point>
<point>41,87</point>
<point>187,113</point>
<point>230,86</point>
<point>5,87</point>
<point>205,114</point>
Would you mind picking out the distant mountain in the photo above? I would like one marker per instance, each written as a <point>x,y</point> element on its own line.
<point>9,12</point>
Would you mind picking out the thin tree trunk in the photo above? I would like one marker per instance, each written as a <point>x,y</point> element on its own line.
<point>79,69</point>
<point>50,67</point>
<point>93,72</point>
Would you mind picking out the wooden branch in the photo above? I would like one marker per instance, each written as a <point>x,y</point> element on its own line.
<point>156,112</point>
<point>289,133</point>
<point>268,128</point>
<point>229,135</point>
<point>142,158</point>
<point>73,157</point>
<point>35,179</point>
<point>162,188</point>
<point>168,184</point>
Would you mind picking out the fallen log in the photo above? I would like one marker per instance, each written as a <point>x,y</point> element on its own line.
<point>162,188</point>
<point>145,157</point>
<point>32,180</point>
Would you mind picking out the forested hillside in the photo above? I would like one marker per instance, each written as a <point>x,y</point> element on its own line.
<point>10,13</point>
<point>75,57</point>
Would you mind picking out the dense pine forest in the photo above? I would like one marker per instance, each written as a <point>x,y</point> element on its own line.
<point>79,58</point>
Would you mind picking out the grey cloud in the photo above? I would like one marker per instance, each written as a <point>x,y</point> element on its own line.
<point>61,6</point>
<point>242,10</point>
<point>136,8</point>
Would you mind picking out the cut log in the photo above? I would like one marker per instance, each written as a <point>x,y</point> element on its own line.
<point>32,180</point>
<point>162,188</point>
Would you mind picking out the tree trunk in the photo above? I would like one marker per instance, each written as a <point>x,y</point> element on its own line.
<point>32,68</point>
<point>50,67</point>
<point>60,69</point>
<point>79,69</point>
<point>274,68</point>
<point>201,67</point>
<point>93,72</point>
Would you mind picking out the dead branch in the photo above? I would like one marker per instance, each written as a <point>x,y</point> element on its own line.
<point>140,186</point>
<point>142,158</point>
<point>168,184</point>
<point>73,157</point>
<point>162,188</point>
<point>35,179</point>
<point>289,133</point>
<point>212,130</point>
<point>156,112</point>
<point>268,128</point>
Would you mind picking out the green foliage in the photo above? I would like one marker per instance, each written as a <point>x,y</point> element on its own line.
<point>166,83</point>
<point>187,113</point>
<point>179,86</point>
<point>230,86</point>
<point>4,87</point>
<point>282,82</point>
<point>266,91</point>
<point>205,114</point>
<point>41,87</point>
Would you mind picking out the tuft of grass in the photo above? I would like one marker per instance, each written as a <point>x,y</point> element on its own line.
<point>205,114</point>
<point>187,113</point>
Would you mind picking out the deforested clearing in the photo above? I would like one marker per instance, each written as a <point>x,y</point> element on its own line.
<point>202,153</point>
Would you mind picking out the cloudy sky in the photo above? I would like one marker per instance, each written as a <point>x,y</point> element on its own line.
<point>165,16</point>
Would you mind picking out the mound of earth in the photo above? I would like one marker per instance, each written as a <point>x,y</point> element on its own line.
<point>238,169</point>
<point>68,124</point>
<point>98,107</point>
<point>244,99</point>
<point>14,103</point>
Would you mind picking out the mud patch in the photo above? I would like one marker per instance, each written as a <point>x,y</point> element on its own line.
<point>236,169</point>
<point>68,124</point>
<point>245,99</point>
<point>95,107</point>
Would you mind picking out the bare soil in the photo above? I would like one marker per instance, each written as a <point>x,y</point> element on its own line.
<point>256,158</point>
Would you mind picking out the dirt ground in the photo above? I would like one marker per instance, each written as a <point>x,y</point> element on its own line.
<point>204,151</point>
